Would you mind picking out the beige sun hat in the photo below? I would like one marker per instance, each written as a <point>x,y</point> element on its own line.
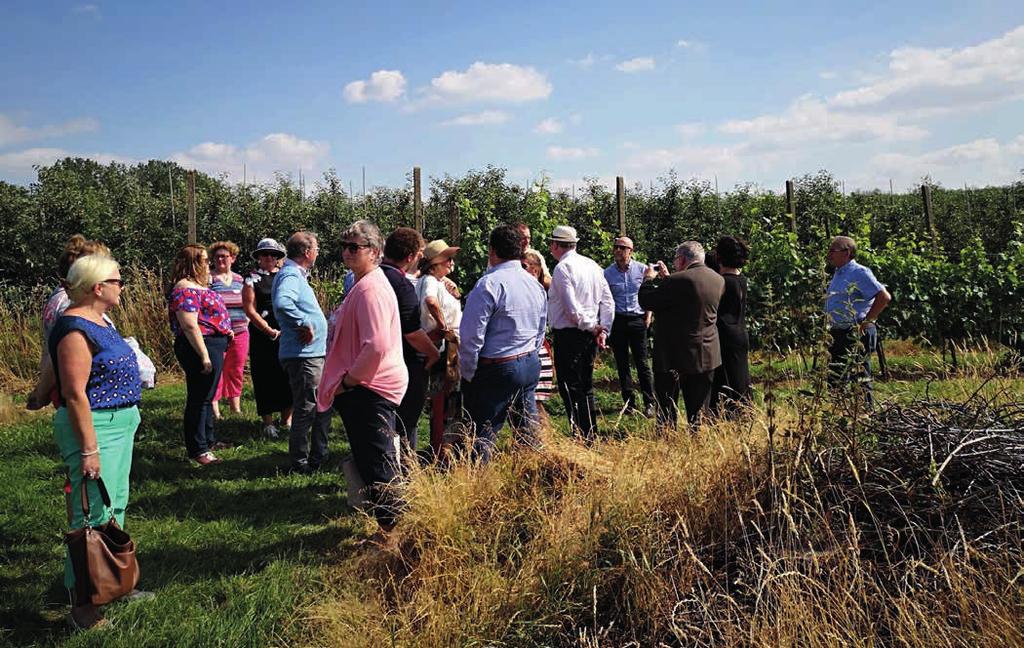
<point>564,234</point>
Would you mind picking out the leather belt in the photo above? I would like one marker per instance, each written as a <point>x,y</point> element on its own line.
<point>496,361</point>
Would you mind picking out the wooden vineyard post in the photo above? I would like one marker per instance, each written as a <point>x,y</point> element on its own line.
<point>453,223</point>
<point>191,207</point>
<point>620,204</point>
<point>929,217</point>
<point>417,200</point>
<point>791,205</point>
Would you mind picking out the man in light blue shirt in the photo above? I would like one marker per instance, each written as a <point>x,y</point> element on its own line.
<point>502,328</point>
<point>302,350</point>
<point>629,328</point>
<point>853,303</point>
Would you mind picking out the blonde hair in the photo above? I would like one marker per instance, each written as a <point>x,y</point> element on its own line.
<point>76,247</point>
<point>88,271</point>
<point>535,255</point>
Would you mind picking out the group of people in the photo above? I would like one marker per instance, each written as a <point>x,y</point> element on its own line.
<point>403,334</point>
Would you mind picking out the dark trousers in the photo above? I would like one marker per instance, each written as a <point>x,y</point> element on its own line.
<point>695,389</point>
<point>575,351</point>
<point>850,358</point>
<point>503,391</point>
<point>629,334</point>
<point>369,420</point>
<point>304,378</point>
<point>731,386</point>
<point>408,413</point>
<point>199,390</point>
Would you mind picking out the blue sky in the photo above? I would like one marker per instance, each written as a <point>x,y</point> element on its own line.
<point>745,92</point>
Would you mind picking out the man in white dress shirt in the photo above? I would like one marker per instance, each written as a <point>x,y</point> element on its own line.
<point>580,311</point>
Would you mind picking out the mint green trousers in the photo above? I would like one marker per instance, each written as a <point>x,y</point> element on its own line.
<point>115,436</point>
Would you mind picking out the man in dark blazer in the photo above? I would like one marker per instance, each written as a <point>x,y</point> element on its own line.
<point>686,350</point>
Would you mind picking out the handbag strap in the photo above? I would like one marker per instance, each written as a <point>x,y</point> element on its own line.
<point>85,496</point>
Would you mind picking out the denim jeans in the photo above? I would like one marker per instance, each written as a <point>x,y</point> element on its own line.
<point>499,392</point>
<point>199,390</point>
<point>304,376</point>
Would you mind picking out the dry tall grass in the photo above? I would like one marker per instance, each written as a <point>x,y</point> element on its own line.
<point>708,540</point>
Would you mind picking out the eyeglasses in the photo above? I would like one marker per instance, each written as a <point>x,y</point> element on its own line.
<point>352,248</point>
<point>119,282</point>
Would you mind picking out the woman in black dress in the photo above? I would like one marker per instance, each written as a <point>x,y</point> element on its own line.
<point>269,381</point>
<point>731,389</point>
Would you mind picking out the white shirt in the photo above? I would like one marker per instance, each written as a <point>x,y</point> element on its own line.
<point>451,309</point>
<point>579,296</point>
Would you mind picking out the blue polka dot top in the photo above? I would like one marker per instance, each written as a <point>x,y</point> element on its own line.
<point>114,378</point>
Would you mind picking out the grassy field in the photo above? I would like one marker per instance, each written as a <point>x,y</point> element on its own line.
<point>244,554</point>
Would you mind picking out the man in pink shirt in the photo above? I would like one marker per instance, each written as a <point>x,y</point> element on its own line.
<point>364,376</point>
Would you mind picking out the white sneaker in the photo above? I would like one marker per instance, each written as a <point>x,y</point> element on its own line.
<point>270,432</point>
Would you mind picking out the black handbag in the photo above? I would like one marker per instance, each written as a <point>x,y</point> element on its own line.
<point>102,557</point>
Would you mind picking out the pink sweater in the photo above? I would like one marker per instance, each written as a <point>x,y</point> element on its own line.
<point>367,343</point>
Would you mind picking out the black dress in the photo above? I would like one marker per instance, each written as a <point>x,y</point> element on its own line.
<point>269,381</point>
<point>732,379</point>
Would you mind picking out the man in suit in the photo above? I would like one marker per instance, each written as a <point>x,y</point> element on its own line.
<point>686,350</point>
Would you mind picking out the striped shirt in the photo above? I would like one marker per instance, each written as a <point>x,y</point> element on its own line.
<point>232,296</point>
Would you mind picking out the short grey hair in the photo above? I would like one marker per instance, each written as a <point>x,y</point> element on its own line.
<point>299,244</point>
<point>844,243</point>
<point>366,230</point>
<point>692,251</point>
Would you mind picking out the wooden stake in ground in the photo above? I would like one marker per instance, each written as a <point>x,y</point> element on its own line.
<point>791,205</point>
<point>620,204</point>
<point>191,207</point>
<point>417,200</point>
<point>453,222</point>
<point>929,218</point>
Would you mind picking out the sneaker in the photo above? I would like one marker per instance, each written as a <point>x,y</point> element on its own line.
<point>206,459</point>
<point>138,595</point>
<point>271,432</point>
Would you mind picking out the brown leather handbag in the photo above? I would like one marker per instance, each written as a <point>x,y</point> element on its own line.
<point>102,557</point>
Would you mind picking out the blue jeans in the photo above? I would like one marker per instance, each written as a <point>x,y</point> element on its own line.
<point>499,392</point>
<point>199,391</point>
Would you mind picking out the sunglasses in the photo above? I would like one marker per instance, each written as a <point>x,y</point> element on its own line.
<point>621,247</point>
<point>119,282</point>
<point>352,248</point>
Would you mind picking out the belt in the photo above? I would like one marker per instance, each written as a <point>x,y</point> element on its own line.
<point>495,361</point>
<point>629,314</point>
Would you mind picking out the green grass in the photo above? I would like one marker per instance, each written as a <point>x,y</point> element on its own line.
<point>234,552</point>
<point>238,554</point>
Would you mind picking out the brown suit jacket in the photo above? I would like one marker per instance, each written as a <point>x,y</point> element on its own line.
<point>685,306</point>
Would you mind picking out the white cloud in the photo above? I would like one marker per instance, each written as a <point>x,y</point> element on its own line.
<point>13,133</point>
<point>572,153</point>
<point>586,62</point>
<point>549,126</point>
<point>18,164</point>
<point>383,85</point>
<point>273,153</point>
<point>921,80</point>
<point>684,44</point>
<point>638,64</point>
<point>981,161</point>
<point>489,82</point>
<point>690,130</point>
<point>485,118</point>
<point>809,119</point>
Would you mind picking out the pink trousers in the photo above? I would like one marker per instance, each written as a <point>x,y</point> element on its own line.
<point>230,385</point>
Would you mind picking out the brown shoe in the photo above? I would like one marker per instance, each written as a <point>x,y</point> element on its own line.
<point>206,459</point>
<point>85,618</point>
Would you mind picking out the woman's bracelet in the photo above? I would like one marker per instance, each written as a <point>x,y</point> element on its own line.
<point>89,454</point>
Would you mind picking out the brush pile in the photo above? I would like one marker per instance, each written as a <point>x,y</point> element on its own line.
<point>936,475</point>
